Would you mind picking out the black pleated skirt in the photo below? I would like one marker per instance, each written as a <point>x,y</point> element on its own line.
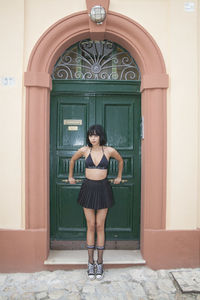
<point>96,194</point>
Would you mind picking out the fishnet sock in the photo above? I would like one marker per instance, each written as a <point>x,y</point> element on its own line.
<point>91,254</point>
<point>100,254</point>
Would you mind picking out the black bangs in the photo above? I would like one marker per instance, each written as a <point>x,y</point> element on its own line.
<point>96,130</point>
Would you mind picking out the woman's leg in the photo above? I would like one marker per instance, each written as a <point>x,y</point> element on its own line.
<point>90,218</point>
<point>100,224</point>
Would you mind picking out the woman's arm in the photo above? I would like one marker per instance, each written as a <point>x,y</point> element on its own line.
<point>117,156</point>
<point>76,156</point>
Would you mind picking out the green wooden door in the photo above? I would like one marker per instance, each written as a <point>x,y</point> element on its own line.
<point>117,107</point>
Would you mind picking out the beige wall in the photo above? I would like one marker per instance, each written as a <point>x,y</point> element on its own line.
<point>176,36</point>
<point>182,119</point>
<point>11,62</point>
<point>40,15</point>
<point>198,177</point>
<point>175,32</point>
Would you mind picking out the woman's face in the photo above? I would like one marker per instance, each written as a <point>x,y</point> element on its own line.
<point>94,139</point>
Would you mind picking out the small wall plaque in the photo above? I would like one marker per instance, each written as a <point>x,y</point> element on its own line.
<point>189,6</point>
<point>7,81</point>
<point>72,128</point>
<point>72,122</point>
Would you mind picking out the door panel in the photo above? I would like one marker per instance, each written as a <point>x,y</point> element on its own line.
<point>117,119</point>
<point>67,208</point>
<point>120,217</point>
<point>119,113</point>
<point>73,109</point>
<point>120,116</point>
<point>67,219</point>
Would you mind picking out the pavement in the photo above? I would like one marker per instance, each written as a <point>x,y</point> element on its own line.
<point>132,283</point>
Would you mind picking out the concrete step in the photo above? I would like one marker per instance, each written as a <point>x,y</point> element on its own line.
<point>80,257</point>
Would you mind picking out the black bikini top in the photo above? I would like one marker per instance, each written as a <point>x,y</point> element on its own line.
<point>103,164</point>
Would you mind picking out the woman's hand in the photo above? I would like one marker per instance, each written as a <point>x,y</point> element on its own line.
<point>117,180</point>
<point>72,180</point>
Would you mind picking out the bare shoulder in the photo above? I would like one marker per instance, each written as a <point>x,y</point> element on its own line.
<point>83,150</point>
<point>112,152</point>
<point>108,151</point>
<point>80,152</point>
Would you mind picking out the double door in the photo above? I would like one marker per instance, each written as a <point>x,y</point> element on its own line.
<point>75,107</point>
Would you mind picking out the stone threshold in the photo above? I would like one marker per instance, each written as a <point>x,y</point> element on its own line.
<point>80,257</point>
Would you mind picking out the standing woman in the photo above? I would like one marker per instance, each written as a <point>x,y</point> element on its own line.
<point>95,195</point>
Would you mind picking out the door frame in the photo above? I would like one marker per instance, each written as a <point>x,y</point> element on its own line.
<point>154,83</point>
<point>63,88</point>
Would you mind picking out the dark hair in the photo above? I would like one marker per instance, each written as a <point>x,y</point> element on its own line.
<point>96,130</point>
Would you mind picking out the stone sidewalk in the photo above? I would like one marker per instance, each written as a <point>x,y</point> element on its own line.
<point>133,283</point>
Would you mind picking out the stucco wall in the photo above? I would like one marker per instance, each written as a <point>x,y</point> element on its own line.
<point>11,62</point>
<point>175,32</point>
<point>183,118</point>
<point>198,99</point>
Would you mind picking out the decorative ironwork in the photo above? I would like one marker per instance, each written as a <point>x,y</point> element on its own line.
<point>96,60</point>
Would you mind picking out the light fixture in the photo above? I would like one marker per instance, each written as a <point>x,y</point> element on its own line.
<point>97,14</point>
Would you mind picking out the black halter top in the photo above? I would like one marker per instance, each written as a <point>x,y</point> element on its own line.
<point>103,164</point>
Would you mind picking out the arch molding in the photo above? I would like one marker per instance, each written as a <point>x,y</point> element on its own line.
<point>154,83</point>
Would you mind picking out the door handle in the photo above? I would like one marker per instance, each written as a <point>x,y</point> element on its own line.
<point>66,180</point>
<point>80,180</point>
<point>122,181</point>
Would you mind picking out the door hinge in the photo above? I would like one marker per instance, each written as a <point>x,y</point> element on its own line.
<point>142,128</point>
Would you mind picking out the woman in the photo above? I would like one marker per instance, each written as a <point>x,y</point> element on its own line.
<point>96,193</point>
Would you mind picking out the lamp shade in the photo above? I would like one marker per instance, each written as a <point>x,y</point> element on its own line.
<point>98,14</point>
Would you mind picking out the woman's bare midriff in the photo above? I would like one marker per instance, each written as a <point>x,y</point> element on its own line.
<point>95,174</point>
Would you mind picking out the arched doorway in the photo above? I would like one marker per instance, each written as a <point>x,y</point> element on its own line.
<point>95,82</point>
<point>154,83</point>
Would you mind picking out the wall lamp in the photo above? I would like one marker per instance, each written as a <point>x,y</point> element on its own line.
<point>97,14</point>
